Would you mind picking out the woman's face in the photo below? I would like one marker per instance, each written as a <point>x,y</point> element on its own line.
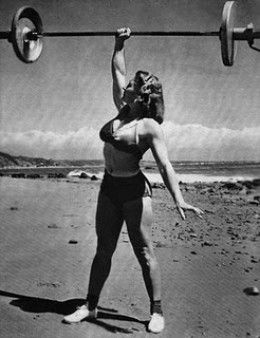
<point>132,90</point>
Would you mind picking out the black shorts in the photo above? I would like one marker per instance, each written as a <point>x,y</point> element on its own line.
<point>124,189</point>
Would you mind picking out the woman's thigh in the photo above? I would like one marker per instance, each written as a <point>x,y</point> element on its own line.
<point>109,221</point>
<point>138,216</point>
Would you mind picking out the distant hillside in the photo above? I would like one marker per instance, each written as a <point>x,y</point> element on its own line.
<point>7,160</point>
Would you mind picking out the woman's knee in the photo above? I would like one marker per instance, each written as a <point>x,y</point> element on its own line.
<point>105,252</point>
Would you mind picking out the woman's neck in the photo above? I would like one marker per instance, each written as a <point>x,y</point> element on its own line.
<point>133,113</point>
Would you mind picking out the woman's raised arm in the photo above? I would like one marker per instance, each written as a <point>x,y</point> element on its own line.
<point>118,67</point>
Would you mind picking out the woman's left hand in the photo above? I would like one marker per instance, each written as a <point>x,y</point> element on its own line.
<point>182,207</point>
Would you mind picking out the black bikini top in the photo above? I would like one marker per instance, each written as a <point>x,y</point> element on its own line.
<point>106,135</point>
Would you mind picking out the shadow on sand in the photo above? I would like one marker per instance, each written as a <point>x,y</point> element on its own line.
<point>42,305</point>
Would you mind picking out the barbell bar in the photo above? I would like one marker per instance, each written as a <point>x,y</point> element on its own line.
<point>27,34</point>
<point>139,33</point>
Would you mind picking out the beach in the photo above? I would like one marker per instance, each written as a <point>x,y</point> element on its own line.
<point>209,266</point>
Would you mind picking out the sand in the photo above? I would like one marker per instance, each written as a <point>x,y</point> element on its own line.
<point>47,242</point>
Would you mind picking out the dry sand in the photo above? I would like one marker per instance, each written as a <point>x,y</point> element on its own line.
<point>206,264</point>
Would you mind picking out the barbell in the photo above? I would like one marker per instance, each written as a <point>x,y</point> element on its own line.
<point>27,34</point>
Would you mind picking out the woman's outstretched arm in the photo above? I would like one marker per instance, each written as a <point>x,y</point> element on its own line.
<point>159,150</point>
<point>118,67</point>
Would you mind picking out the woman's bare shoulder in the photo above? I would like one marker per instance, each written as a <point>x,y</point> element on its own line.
<point>150,128</point>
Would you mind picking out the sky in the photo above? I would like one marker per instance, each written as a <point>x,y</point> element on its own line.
<point>55,107</point>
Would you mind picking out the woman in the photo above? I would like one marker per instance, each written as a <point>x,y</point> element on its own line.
<point>125,193</point>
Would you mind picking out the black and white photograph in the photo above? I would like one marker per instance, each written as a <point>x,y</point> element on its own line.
<point>129,168</point>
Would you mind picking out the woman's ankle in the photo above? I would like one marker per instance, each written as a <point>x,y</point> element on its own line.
<point>92,302</point>
<point>156,307</point>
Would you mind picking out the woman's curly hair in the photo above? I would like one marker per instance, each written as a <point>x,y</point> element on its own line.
<point>150,95</point>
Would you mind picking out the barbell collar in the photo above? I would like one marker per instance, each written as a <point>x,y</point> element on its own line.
<point>256,35</point>
<point>5,35</point>
<point>245,33</point>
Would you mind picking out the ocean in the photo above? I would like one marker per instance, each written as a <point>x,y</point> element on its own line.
<point>190,172</point>
<point>187,171</point>
<point>194,171</point>
<point>208,172</point>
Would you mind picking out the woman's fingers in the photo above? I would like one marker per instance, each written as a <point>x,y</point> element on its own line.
<point>181,212</point>
<point>197,211</point>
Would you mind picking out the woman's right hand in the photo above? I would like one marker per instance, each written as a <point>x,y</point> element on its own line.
<point>123,33</point>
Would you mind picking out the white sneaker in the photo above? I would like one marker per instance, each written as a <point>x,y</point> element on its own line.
<point>157,323</point>
<point>81,313</point>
